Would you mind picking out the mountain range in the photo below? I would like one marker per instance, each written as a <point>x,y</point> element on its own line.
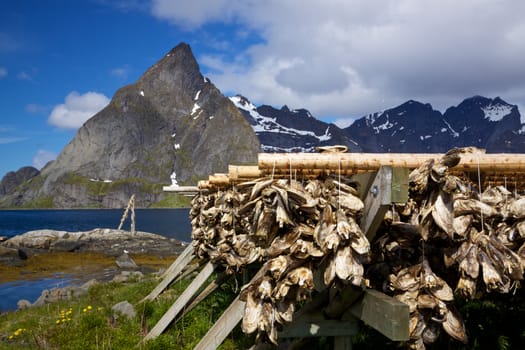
<point>174,126</point>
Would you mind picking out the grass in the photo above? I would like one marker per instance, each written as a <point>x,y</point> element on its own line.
<point>89,323</point>
<point>173,201</point>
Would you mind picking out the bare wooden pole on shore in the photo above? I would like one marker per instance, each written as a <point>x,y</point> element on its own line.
<point>131,206</point>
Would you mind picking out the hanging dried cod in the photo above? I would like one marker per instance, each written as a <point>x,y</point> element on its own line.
<point>448,235</point>
<point>288,227</point>
<point>470,238</point>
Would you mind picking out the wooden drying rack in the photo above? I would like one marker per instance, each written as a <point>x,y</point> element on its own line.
<point>382,180</point>
<point>507,169</point>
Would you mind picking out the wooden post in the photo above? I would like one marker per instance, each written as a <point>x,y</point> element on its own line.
<point>181,301</point>
<point>178,265</point>
<point>132,202</point>
<point>224,325</point>
<point>389,186</point>
<point>131,205</point>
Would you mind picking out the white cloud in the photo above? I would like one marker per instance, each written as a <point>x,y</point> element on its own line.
<point>77,109</point>
<point>42,157</point>
<point>191,14</point>
<point>349,58</point>
<point>3,72</point>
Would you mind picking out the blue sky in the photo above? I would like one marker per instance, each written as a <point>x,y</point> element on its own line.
<point>61,61</point>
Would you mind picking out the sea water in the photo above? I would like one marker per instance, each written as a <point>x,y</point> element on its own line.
<point>172,223</point>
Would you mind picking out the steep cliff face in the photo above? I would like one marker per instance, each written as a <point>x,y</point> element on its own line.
<point>172,124</point>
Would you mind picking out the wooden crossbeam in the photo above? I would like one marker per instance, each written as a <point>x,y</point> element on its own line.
<point>384,313</point>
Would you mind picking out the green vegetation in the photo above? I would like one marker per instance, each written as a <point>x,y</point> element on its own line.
<point>101,188</point>
<point>45,202</point>
<point>172,201</point>
<point>88,322</point>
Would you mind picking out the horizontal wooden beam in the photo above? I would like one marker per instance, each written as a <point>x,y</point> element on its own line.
<point>315,325</point>
<point>492,162</point>
<point>180,189</point>
<point>383,313</point>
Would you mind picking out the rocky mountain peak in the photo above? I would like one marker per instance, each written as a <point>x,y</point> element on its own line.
<point>171,126</point>
<point>173,81</point>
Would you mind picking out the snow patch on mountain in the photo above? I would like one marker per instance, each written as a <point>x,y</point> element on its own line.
<point>453,132</point>
<point>269,124</point>
<point>496,112</point>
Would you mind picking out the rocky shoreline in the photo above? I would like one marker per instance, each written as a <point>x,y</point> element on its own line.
<point>110,242</point>
<point>98,255</point>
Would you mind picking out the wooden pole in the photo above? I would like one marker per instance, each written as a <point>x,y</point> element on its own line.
<point>236,172</point>
<point>497,162</point>
<point>173,271</point>
<point>131,204</point>
<point>181,301</point>
<point>219,179</point>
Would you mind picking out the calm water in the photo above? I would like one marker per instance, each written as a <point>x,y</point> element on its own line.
<point>173,223</point>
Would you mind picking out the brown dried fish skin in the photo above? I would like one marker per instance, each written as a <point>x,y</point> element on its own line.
<point>466,287</point>
<point>454,326</point>
<point>251,316</point>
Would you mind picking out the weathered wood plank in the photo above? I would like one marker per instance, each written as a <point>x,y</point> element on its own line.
<point>384,313</point>
<point>180,261</point>
<point>171,273</point>
<point>223,277</point>
<point>342,343</point>
<point>341,300</point>
<point>400,185</point>
<point>502,162</point>
<point>377,202</point>
<point>389,186</point>
<point>363,181</point>
<point>181,301</point>
<point>227,322</point>
<point>224,325</point>
<point>314,324</point>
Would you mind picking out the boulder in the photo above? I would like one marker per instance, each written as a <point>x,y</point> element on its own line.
<point>65,245</point>
<point>12,256</point>
<point>125,276</point>
<point>125,262</point>
<point>123,308</point>
<point>56,294</point>
<point>23,304</point>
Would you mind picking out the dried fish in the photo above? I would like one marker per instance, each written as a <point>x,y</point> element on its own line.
<point>301,229</point>
<point>454,326</point>
<point>252,314</point>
